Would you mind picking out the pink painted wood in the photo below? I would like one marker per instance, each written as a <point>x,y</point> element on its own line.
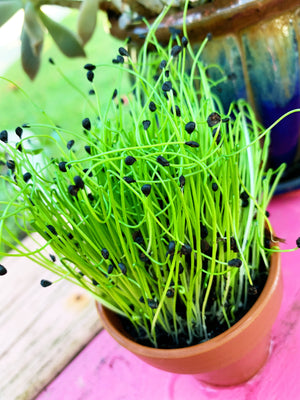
<point>104,370</point>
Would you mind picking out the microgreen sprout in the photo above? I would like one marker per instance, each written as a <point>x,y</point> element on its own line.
<point>170,233</point>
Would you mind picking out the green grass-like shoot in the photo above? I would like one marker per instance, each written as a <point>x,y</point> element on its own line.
<point>159,214</point>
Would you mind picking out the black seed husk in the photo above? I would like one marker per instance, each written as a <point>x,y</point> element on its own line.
<point>52,257</point>
<point>152,106</point>
<point>70,144</point>
<point>78,182</point>
<point>167,74</point>
<point>181,181</point>
<point>143,257</point>
<point>184,41</point>
<point>91,92</point>
<point>244,196</point>
<point>175,50</point>
<point>162,64</point>
<point>19,131</point>
<point>45,283</point>
<point>146,189</point>
<point>123,52</point>
<point>128,179</point>
<point>190,127</point>
<point>235,262</point>
<point>152,303</point>
<point>139,240</point>
<point>214,187</point>
<point>26,176</point>
<point>19,147</point>
<point>70,236</point>
<point>3,270</point>
<point>51,229</point>
<point>170,293</point>
<point>91,197</point>
<point>105,253</point>
<point>122,268</point>
<point>11,165</point>
<point>177,111</point>
<point>88,149</point>
<point>86,123</point>
<point>252,291</point>
<point>73,190</point>
<point>62,166</point>
<point>209,36</point>
<point>245,203</point>
<point>4,136</point>
<point>162,161</point>
<point>94,282</point>
<point>110,269</point>
<point>298,242</point>
<point>186,249</point>
<point>167,86</point>
<point>129,160</point>
<point>191,143</point>
<point>90,76</point>
<point>51,61</point>
<point>120,59</point>
<point>171,247</point>
<point>115,93</point>
<point>146,124</point>
<point>90,67</point>
<point>141,300</point>
<point>213,119</point>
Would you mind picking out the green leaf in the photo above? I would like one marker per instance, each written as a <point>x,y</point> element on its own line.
<point>7,9</point>
<point>33,27</point>
<point>87,19</point>
<point>65,39</point>
<point>30,60</point>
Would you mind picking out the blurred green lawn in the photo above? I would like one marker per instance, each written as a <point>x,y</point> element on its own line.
<point>49,91</point>
<point>65,106</point>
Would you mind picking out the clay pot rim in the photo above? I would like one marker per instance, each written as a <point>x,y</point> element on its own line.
<point>214,343</point>
<point>218,17</point>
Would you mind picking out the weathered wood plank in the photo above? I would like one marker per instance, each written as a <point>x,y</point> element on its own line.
<point>41,329</point>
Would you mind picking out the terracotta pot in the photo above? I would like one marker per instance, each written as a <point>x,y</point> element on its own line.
<point>256,42</point>
<point>228,359</point>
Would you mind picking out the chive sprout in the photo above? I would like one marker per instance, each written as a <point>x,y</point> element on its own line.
<point>169,233</point>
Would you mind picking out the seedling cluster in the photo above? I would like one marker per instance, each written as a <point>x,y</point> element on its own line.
<point>157,205</point>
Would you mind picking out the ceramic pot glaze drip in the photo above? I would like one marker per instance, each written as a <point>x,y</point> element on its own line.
<point>256,43</point>
<point>228,359</point>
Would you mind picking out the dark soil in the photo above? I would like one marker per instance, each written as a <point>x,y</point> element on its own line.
<point>165,341</point>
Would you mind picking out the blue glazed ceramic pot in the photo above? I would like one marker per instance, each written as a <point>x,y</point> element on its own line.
<point>256,42</point>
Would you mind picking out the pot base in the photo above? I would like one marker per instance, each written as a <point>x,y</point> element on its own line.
<point>230,358</point>
<point>240,371</point>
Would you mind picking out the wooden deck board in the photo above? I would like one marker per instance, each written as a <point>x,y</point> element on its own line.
<point>41,329</point>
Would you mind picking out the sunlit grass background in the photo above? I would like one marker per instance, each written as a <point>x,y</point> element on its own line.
<point>50,92</point>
